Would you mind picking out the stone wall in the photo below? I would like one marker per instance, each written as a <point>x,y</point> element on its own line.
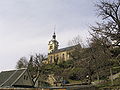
<point>86,87</point>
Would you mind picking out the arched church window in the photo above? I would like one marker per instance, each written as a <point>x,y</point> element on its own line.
<point>63,56</point>
<point>50,59</point>
<point>57,57</point>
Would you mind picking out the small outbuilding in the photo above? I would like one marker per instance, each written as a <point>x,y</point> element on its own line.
<point>16,78</point>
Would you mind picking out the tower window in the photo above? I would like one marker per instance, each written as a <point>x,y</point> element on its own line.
<point>50,47</point>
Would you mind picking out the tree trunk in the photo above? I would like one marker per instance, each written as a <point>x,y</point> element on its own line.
<point>111,76</point>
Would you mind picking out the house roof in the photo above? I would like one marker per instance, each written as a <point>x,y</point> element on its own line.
<point>8,78</point>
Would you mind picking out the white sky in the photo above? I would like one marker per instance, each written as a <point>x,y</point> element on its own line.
<point>26,26</point>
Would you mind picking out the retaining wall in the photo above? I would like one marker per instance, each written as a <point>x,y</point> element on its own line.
<point>56,88</point>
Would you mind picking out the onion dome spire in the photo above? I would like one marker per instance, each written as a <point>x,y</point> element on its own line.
<point>54,36</point>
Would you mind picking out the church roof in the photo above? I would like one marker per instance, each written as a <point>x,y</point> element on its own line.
<point>64,49</point>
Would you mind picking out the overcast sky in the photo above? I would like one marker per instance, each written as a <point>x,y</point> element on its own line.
<point>26,26</point>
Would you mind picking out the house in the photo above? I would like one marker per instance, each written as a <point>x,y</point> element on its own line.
<point>16,78</point>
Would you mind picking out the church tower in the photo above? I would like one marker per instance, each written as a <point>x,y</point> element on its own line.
<point>53,44</point>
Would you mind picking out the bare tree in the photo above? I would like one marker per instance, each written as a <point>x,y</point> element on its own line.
<point>92,59</point>
<point>35,66</point>
<point>77,48</point>
<point>22,63</point>
<point>100,55</point>
<point>110,27</point>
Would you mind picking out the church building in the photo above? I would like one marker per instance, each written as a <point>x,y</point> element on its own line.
<point>56,55</point>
